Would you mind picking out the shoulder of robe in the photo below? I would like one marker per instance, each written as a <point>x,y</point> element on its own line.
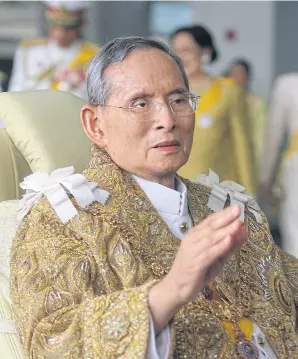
<point>222,193</point>
<point>59,195</point>
<point>41,221</point>
<point>195,185</point>
<point>34,42</point>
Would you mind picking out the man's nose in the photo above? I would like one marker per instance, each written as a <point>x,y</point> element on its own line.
<point>164,118</point>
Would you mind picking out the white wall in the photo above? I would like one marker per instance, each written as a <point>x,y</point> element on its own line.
<point>286,49</point>
<point>254,24</point>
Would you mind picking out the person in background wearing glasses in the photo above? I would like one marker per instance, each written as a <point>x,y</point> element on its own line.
<point>58,61</point>
<point>222,137</point>
<point>136,264</point>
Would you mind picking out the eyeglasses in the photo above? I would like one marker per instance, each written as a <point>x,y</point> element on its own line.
<point>181,104</point>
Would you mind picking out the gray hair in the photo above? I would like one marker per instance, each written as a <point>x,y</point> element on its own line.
<point>114,52</point>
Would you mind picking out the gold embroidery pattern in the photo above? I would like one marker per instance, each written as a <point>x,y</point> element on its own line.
<point>290,265</point>
<point>80,289</point>
<point>61,302</point>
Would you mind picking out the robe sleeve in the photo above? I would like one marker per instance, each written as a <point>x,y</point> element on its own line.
<point>60,307</point>
<point>159,346</point>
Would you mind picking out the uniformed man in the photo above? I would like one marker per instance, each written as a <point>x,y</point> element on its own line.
<point>58,61</point>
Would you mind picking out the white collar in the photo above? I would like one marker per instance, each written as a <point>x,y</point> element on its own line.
<point>165,199</point>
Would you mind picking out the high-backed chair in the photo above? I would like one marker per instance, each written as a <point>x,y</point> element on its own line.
<point>42,132</point>
<point>13,167</point>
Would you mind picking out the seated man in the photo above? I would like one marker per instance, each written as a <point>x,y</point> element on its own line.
<point>149,271</point>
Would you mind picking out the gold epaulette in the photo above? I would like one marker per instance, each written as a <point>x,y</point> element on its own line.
<point>34,42</point>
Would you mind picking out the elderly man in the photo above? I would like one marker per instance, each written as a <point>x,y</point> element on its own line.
<point>147,270</point>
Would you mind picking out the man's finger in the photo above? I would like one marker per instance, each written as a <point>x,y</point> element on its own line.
<point>230,230</point>
<point>224,248</point>
<point>211,236</point>
<point>220,219</point>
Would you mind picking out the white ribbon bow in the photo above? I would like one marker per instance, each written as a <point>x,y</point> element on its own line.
<point>56,187</point>
<point>220,191</point>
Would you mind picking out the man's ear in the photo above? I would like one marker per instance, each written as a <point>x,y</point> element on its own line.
<point>92,122</point>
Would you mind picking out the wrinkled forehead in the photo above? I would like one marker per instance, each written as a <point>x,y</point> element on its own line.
<point>149,70</point>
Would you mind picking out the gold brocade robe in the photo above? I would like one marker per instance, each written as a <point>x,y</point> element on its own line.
<point>222,137</point>
<point>80,290</point>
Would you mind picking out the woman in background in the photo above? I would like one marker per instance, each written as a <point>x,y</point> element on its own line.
<point>222,139</point>
<point>240,73</point>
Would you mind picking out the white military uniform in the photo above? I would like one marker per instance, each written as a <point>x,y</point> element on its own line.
<point>40,64</point>
<point>282,124</point>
